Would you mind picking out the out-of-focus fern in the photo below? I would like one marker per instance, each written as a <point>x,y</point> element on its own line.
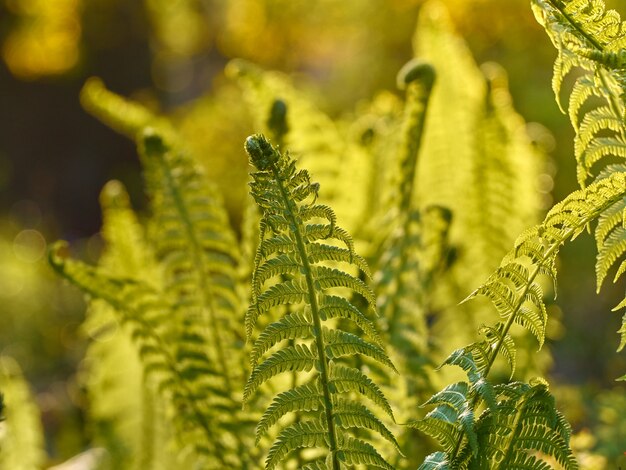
<point>121,115</point>
<point>128,418</point>
<point>412,253</point>
<point>298,241</point>
<point>314,140</point>
<point>584,34</point>
<point>396,283</point>
<point>21,432</point>
<point>184,329</point>
<point>478,161</point>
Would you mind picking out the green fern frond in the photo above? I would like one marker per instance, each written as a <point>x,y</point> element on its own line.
<point>521,426</point>
<point>477,160</point>
<point>520,420</point>
<point>196,246</point>
<point>126,412</point>
<point>513,289</point>
<point>407,261</point>
<point>418,78</point>
<point>316,295</point>
<point>120,114</point>
<point>196,250</point>
<point>176,375</point>
<point>589,39</point>
<point>191,233</point>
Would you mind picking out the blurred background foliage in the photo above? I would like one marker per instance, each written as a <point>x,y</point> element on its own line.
<point>170,56</point>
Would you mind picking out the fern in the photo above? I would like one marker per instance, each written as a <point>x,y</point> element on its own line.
<point>140,309</point>
<point>128,417</point>
<point>515,292</point>
<point>591,39</point>
<point>477,157</point>
<point>183,328</point>
<point>418,78</point>
<point>519,427</point>
<point>196,246</point>
<point>525,425</point>
<point>410,255</point>
<point>295,245</point>
<point>121,115</point>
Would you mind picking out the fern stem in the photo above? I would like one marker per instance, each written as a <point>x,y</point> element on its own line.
<point>418,78</point>
<point>146,459</point>
<point>317,330</point>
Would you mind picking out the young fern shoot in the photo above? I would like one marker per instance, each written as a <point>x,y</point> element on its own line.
<point>296,252</point>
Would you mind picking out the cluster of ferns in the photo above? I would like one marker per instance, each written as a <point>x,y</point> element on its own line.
<point>323,333</point>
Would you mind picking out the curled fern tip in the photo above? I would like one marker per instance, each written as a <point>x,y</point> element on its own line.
<point>261,153</point>
<point>152,141</point>
<point>416,70</point>
<point>277,122</point>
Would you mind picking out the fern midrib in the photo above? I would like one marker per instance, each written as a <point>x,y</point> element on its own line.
<point>319,342</point>
<point>148,420</point>
<point>418,96</point>
<point>204,282</point>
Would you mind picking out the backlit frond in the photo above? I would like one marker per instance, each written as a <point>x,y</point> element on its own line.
<point>308,339</point>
